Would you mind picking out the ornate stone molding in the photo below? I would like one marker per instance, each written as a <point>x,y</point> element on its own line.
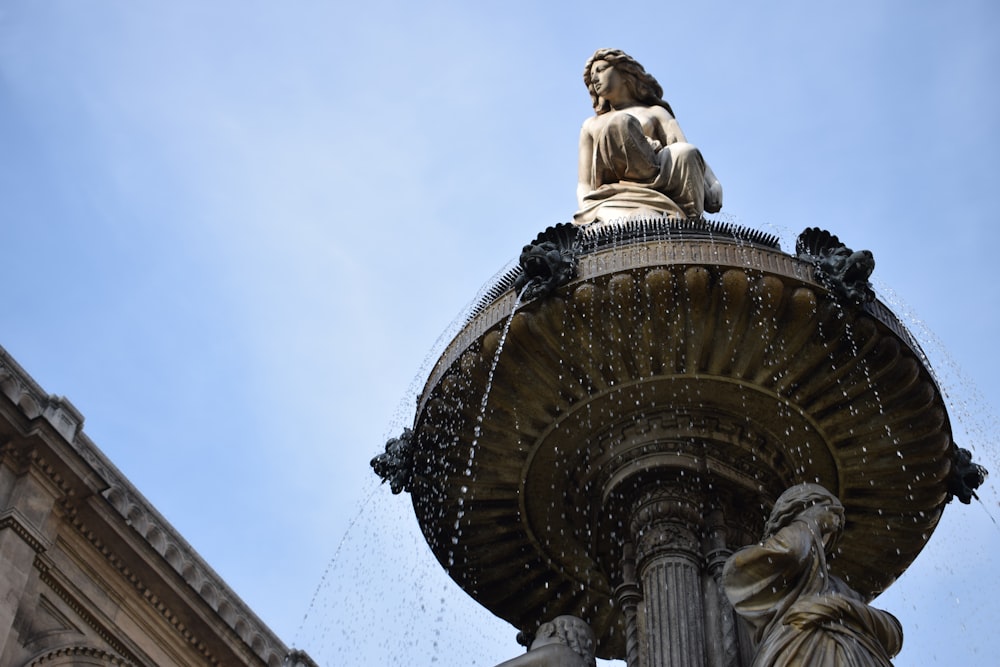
<point>24,392</point>
<point>664,522</point>
<point>723,361</point>
<point>68,655</point>
<point>48,577</point>
<point>125,501</point>
<point>208,585</point>
<point>14,521</point>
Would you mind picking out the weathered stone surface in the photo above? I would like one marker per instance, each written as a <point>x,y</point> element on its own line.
<point>843,271</point>
<point>722,367</point>
<point>395,464</point>
<point>90,573</point>
<point>565,641</point>
<point>634,159</point>
<point>785,587</point>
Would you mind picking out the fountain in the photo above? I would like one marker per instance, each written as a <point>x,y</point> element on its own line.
<point>621,413</point>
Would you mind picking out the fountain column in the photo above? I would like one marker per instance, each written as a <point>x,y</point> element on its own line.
<point>628,595</point>
<point>664,398</point>
<point>720,621</point>
<point>665,525</point>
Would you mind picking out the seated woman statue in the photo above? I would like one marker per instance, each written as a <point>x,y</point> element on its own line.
<point>565,641</point>
<point>804,615</point>
<point>634,159</point>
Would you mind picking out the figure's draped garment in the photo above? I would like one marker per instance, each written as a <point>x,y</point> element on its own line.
<point>802,614</point>
<point>629,177</point>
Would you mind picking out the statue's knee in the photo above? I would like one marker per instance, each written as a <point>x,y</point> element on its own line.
<point>685,152</point>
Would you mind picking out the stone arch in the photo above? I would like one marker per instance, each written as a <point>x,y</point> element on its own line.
<point>137,519</point>
<point>174,557</point>
<point>191,574</point>
<point>209,594</point>
<point>156,539</point>
<point>9,386</point>
<point>29,406</point>
<point>116,496</point>
<point>227,612</point>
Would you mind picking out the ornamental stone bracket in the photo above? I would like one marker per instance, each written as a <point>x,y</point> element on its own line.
<point>395,465</point>
<point>13,520</point>
<point>549,262</point>
<point>965,476</point>
<point>643,418</point>
<point>24,392</point>
<point>843,271</point>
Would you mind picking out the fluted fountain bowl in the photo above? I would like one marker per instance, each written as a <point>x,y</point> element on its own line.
<point>699,353</point>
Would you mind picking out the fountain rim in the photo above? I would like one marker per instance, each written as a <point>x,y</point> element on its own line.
<point>499,299</point>
<point>637,258</point>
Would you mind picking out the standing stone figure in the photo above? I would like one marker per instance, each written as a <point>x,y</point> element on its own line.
<point>803,614</point>
<point>565,641</point>
<point>634,159</point>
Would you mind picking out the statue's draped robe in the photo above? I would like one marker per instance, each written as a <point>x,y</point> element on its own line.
<point>803,614</point>
<point>630,177</point>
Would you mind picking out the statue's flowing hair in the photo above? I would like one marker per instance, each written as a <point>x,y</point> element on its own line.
<point>641,84</point>
<point>797,500</point>
<point>574,633</point>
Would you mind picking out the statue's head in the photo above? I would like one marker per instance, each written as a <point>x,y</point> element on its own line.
<point>641,84</point>
<point>569,631</point>
<point>808,501</point>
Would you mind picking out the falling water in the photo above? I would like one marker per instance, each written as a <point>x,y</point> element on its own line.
<point>481,417</point>
<point>333,560</point>
<point>419,597</point>
<point>975,422</point>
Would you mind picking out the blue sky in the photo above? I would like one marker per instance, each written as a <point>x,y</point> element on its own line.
<point>233,232</point>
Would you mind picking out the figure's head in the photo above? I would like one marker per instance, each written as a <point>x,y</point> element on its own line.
<point>642,86</point>
<point>808,500</point>
<point>569,631</point>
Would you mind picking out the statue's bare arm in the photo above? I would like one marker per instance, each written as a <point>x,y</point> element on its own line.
<point>550,655</point>
<point>586,161</point>
<point>673,134</point>
<point>668,126</point>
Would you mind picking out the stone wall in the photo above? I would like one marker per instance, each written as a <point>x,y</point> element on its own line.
<point>91,573</point>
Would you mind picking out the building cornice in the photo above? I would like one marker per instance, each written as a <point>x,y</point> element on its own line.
<point>55,421</point>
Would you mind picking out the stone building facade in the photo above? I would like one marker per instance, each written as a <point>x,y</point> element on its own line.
<point>90,572</point>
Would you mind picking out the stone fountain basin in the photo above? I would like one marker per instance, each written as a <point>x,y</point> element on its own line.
<point>709,360</point>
